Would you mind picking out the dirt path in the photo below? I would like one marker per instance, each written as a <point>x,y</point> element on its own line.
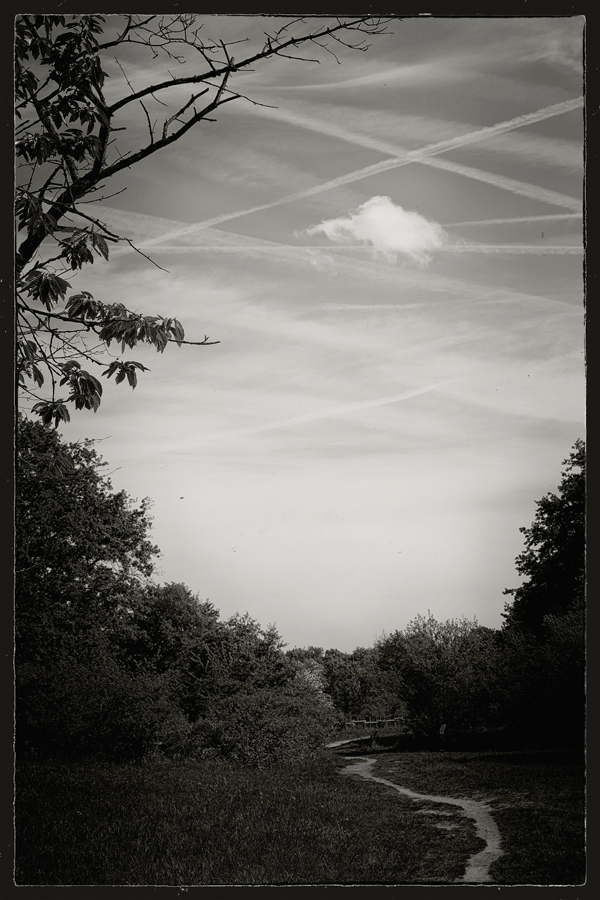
<point>478,867</point>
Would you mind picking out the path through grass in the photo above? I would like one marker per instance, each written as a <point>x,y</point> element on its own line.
<point>537,800</point>
<point>206,823</point>
<point>202,823</point>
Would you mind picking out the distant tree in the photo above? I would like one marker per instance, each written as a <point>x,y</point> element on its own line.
<point>73,136</point>
<point>250,655</point>
<point>262,726</point>
<point>164,624</point>
<point>444,671</point>
<point>306,653</point>
<point>553,562</point>
<point>264,705</point>
<point>167,630</point>
<point>357,685</point>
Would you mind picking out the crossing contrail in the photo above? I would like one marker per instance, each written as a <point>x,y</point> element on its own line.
<point>424,155</point>
<point>461,140</point>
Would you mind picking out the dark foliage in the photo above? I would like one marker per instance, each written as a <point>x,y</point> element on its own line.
<point>110,663</point>
<point>553,562</point>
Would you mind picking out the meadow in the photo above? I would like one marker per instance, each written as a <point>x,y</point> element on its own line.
<point>211,823</point>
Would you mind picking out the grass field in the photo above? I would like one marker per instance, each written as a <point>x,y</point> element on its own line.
<point>187,823</point>
<point>537,800</point>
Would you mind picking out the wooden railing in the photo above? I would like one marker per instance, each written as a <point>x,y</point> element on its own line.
<point>394,722</point>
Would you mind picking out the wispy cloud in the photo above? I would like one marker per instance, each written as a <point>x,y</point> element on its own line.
<point>475,55</point>
<point>520,188</point>
<point>338,410</point>
<point>387,228</point>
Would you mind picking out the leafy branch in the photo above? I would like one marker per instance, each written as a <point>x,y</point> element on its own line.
<point>70,140</point>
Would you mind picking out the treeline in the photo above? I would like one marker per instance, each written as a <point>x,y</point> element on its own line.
<point>526,679</point>
<point>110,663</point>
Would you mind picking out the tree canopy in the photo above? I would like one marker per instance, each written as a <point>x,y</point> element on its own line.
<point>75,105</point>
<point>443,671</point>
<point>80,546</point>
<point>553,562</point>
<point>107,660</point>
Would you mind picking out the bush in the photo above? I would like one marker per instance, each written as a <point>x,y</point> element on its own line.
<point>84,703</point>
<point>264,726</point>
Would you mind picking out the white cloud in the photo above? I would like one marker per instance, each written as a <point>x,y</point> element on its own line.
<point>388,228</point>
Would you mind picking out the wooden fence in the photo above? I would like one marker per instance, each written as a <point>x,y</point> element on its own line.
<point>374,723</point>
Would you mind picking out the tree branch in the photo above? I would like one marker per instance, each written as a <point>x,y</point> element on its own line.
<point>267,51</point>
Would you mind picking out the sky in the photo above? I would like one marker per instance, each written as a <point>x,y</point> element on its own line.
<point>389,251</point>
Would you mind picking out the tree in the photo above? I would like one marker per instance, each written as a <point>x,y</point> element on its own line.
<point>357,685</point>
<point>250,656</point>
<point>109,662</point>
<point>82,549</point>
<point>71,139</point>
<point>541,681</point>
<point>542,660</point>
<point>553,561</point>
<point>168,631</point>
<point>80,546</point>
<point>444,672</point>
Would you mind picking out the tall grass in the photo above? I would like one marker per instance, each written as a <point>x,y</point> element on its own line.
<point>199,823</point>
<point>537,800</point>
<point>209,823</point>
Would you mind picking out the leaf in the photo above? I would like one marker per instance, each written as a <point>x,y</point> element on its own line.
<point>45,287</point>
<point>177,331</point>
<point>100,245</point>
<point>110,371</point>
<point>52,409</point>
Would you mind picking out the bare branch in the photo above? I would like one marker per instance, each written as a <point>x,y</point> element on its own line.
<point>267,51</point>
<point>175,117</point>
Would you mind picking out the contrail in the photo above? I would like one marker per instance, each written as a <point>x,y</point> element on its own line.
<point>424,155</point>
<point>521,188</point>
<point>327,413</point>
<point>461,140</point>
<point>532,249</point>
<point>536,249</point>
<point>550,217</point>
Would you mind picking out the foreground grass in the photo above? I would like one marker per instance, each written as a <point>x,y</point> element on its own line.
<point>537,800</point>
<point>194,823</point>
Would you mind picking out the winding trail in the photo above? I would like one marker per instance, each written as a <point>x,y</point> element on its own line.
<point>478,867</point>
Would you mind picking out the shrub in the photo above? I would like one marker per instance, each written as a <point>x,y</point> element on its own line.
<point>264,726</point>
<point>83,703</point>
